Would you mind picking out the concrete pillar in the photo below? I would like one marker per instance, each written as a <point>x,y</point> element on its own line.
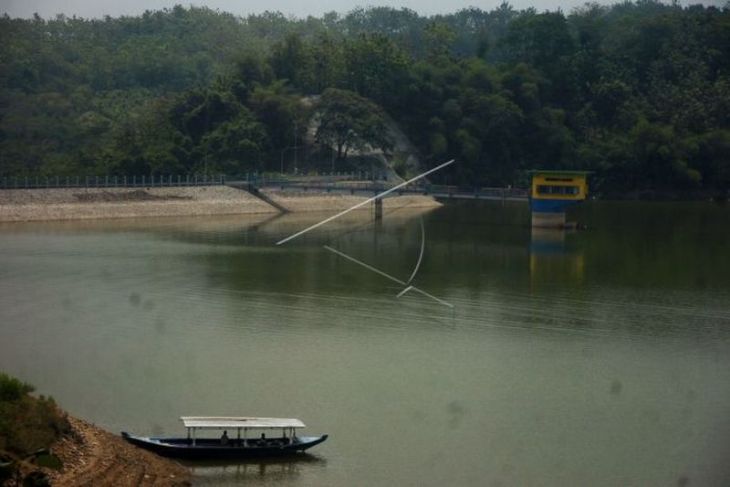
<point>378,206</point>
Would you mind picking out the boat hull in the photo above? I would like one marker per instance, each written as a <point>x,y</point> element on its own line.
<point>213,449</point>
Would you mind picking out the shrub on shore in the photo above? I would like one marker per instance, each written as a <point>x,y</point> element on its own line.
<point>27,423</point>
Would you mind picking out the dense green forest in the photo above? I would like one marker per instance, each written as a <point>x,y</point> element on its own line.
<point>638,92</point>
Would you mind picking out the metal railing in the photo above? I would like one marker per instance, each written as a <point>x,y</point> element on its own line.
<point>154,181</point>
<point>378,186</point>
<point>143,181</point>
<point>335,181</point>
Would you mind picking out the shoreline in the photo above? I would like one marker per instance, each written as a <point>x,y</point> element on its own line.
<point>95,457</point>
<point>59,204</point>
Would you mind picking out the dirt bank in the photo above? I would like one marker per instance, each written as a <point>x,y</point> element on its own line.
<point>94,457</point>
<point>101,203</point>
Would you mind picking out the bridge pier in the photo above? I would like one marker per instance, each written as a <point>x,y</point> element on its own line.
<point>378,209</point>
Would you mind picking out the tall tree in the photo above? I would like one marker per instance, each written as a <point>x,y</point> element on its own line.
<point>348,122</point>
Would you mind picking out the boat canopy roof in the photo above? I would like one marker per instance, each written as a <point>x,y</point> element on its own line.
<point>223,422</point>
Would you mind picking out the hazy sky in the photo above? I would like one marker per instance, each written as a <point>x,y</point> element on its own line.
<point>298,8</point>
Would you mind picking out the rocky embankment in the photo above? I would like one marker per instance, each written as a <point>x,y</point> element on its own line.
<point>94,203</point>
<point>94,457</point>
<point>100,203</point>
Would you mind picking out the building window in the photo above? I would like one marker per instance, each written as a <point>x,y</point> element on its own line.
<point>557,190</point>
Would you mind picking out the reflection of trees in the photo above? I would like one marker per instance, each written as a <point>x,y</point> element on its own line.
<point>656,245</point>
<point>469,245</point>
<point>456,245</point>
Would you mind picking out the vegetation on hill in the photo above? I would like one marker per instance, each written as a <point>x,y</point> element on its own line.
<point>638,92</point>
<point>28,425</point>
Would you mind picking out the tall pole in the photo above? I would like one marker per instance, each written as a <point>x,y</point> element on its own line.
<point>207,129</point>
<point>296,126</point>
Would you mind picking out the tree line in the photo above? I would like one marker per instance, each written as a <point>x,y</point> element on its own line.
<point>637,92</point>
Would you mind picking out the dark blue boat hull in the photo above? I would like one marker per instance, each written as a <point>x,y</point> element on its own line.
<point>213,449</point>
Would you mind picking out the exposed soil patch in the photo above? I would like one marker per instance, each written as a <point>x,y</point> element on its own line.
<point>94,457</point>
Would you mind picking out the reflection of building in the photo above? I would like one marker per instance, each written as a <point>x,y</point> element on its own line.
<point>552,193</point>
<point>551,261</point>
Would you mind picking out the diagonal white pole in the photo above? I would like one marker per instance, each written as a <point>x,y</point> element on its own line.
<point>388,276</point>
<point>368,267</point>
<point>403,292</point>
<point>363,203</point>
<point>414,288</point>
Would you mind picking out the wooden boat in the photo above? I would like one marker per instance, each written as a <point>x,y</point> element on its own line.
<point>239,446</point>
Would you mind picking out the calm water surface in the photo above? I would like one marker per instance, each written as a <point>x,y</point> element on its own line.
<point>600,357</point>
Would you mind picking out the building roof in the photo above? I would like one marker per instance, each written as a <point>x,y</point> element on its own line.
<point>222,422</point>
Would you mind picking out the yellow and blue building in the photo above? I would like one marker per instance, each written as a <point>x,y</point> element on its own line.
<point>552,193</point>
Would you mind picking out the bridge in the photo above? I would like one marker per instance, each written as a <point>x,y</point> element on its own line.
<point>354,184</point>
<point>370,188</point>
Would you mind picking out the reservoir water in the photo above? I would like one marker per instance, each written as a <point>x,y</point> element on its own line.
<point>598,357</point>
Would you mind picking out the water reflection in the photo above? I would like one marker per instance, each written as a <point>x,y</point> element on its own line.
<point>553,259</point>
<point>261,471</point>
<point>587,358</point>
